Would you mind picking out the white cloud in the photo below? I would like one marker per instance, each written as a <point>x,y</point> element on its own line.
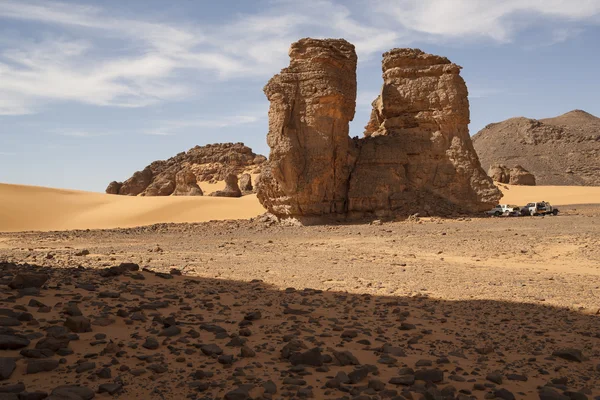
<point>14,103</point>
<point>168,128</point>
<point>101,58</point>
<point>82,134</point>
<point>483,18</point>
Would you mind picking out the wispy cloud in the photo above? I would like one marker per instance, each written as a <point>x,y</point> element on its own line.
<point>82,134</point>
<point>496,20</point>
<point>168,128</point>
<point>93,56</point>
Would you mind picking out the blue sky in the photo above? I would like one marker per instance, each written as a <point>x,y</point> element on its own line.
<point>92,91</point>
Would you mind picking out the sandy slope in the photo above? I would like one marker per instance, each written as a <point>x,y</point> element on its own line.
<point>39,208</point>
<point>556,195</point>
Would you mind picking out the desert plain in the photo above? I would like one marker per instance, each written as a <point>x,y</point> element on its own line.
<point>229,303</point>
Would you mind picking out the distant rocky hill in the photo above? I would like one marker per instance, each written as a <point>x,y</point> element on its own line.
<point>180,175</point>
<point>564,150</point>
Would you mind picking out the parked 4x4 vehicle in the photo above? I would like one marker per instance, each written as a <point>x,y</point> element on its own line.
<point>540,208</point>
<point>503,209</point>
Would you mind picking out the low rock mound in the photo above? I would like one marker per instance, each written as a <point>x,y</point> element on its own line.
<point>564,150</point>
<point>513,176</point>
<point>231,187</point>
<point>416,156</point>
<point>186,184</point>
<point>180,175</point>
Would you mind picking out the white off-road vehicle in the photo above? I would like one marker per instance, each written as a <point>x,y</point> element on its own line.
<point>539,208</point>
<point>503,209</point>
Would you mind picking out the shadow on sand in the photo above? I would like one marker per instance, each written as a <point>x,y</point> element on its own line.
<point>139,334</point>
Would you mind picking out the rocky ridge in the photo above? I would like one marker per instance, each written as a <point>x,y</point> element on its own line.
<point>564,150</point>
<point>179,175</point>
<point>416,156</point>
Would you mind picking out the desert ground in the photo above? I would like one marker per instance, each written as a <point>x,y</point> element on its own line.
<point>245,307</point>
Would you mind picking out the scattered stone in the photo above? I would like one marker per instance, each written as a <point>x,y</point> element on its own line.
<point>24,281</point>
<point>78,324</point>
<point>12,342</point>
<point>35,366</point>
<point>7,366</point>
<point>570,355</point>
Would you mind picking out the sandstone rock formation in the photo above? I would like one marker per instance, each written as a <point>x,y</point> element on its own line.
<point>231,187</point>
<point>210,163</point>
<point>312,102</point>
<point>513,176</point>
<point>137,183</point>
<point>246,183</point>
<point>520,176</point>
<point>499,173</point>
<point>416,156</point>
<point>186,184</point>
<point>564,150</point>
<point>114,187</point>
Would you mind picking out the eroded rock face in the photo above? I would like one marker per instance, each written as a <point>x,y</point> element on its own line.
<point>513,176</point>
<point>186,184</point>
<point>246,183</point>
<point>499,173</point>
<point>416,155</point>
<point>114,187</point>
<point>520,176</point>
<point>312,102</point>
<point>231,187</point>
<point>137,183</point>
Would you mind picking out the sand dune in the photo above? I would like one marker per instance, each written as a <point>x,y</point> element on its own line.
<point>43,209</point>
<point>39,208</point>
<point>556,195</point>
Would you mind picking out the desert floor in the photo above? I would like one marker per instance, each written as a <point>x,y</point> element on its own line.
<point>429,309</point>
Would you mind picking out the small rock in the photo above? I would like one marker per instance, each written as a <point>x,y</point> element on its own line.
<point>35,366</point>
<point>570,355</point>
<point>7,366</point>
<point>78,324</point>
<point>24,281</point>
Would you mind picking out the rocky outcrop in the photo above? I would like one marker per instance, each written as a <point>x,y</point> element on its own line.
<point>114,187</point>
<point>312,102</point>
<point>162,185</point>
<point>499,173</point>
<point>231,187</point>
<point>520,176</point>
<point>210,163</point>
<point>137,183</point>
<point>246,183</point>
<point>563,150</point>
<point>416,155</point>
<point>513,176</point>
<point>186,184</point>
